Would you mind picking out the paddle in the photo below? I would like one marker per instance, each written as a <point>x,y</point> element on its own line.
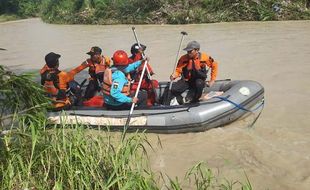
<point>167,102</point>
<point>136,95</point>
<point>143,55</point>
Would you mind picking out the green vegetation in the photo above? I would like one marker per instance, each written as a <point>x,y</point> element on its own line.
<point>19,8</point>
<point>70,157</point>
<point>21,99</point>
<point>156,11</point>
<point>4,18</point>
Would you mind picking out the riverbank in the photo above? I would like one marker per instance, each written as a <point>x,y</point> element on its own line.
<point>159,11</point>
<point>6,18</point>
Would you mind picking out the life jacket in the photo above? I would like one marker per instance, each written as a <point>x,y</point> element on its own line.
<point>134,58</point>
<point>195,67</point>
<point>96,69</point>
<point>50,81</point>
<point>52,87</point>
<point>137,73</point>
<point>107,83</point>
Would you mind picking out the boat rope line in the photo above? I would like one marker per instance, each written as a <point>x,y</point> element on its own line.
<point>233,103</point>
<point>244,109</point>
<point>254,121</point>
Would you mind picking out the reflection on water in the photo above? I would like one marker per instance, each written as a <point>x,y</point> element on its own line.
<point>275,153</point>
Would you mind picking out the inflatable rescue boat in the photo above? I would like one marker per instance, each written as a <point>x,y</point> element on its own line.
<point>221,104</point>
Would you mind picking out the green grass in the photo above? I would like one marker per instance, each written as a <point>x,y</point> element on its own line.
<point>69,157</point>
<point>21,99</point>
<point>5,18</point>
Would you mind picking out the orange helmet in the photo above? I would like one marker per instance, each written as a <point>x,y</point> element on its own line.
<point>120,58</point>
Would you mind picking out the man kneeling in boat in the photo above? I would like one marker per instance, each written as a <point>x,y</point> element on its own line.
<point>193,67</point>
<point>116,86</point>
<point>56,83</point>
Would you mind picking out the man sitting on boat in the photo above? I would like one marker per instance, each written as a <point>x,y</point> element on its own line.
<point>116,86</point>
<point>56,83</point>
<point>193,68</point>
<point>97,64</point>
<point>147,84</point>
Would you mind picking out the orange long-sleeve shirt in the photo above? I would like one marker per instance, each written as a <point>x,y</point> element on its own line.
<point>200,61</point>
<point>93,68</point>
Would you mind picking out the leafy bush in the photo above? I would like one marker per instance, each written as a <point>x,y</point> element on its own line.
<point>22,8</point>
<point>156,11</point>
<point>21,99</point>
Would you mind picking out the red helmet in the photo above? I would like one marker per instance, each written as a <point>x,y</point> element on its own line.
<point>120,58</point>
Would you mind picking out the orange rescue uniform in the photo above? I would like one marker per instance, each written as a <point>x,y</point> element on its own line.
<point>202,60</point>
<point>95,68</point>
<point>55,83</point>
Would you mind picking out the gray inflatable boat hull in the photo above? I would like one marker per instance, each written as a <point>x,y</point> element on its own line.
<point>239,98</point>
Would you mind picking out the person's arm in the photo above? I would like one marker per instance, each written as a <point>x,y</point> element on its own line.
<point>150,69</point>
<point>79,68</point>
<point>44,68</point>
<point>116,91</point>
<point>63,80</point>
<point>214,70</point>
<point>178,70</point>
<point>133,66</point>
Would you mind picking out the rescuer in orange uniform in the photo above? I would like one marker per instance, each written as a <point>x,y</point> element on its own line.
<point>97,64</point>
<point>56,83</point>
<point>193,68</point>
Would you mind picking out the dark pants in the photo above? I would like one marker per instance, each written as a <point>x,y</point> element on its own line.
<point>75,93</point>
<point>195,88</point>
<point>142,96</point>
<point>91,89</point>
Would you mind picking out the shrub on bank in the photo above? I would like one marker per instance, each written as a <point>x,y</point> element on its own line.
<point>172,11</point>
<point>20,8</point>
<point>21,99</point>
<point>156,11</point>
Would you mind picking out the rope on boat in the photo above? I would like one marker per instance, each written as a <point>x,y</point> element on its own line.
<point>244,109</point>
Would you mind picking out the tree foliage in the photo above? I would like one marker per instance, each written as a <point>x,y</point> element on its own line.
<point>156,11</point>
<point>22,8</point>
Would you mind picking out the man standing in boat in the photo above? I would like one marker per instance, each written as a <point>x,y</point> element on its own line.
<point>116,86</point>
<point>193,68</point>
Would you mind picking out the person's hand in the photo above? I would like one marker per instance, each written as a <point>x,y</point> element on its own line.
<point>172,77</point>
<point>147,59</point>
<point>210,83</point>
<point>135,100</point>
